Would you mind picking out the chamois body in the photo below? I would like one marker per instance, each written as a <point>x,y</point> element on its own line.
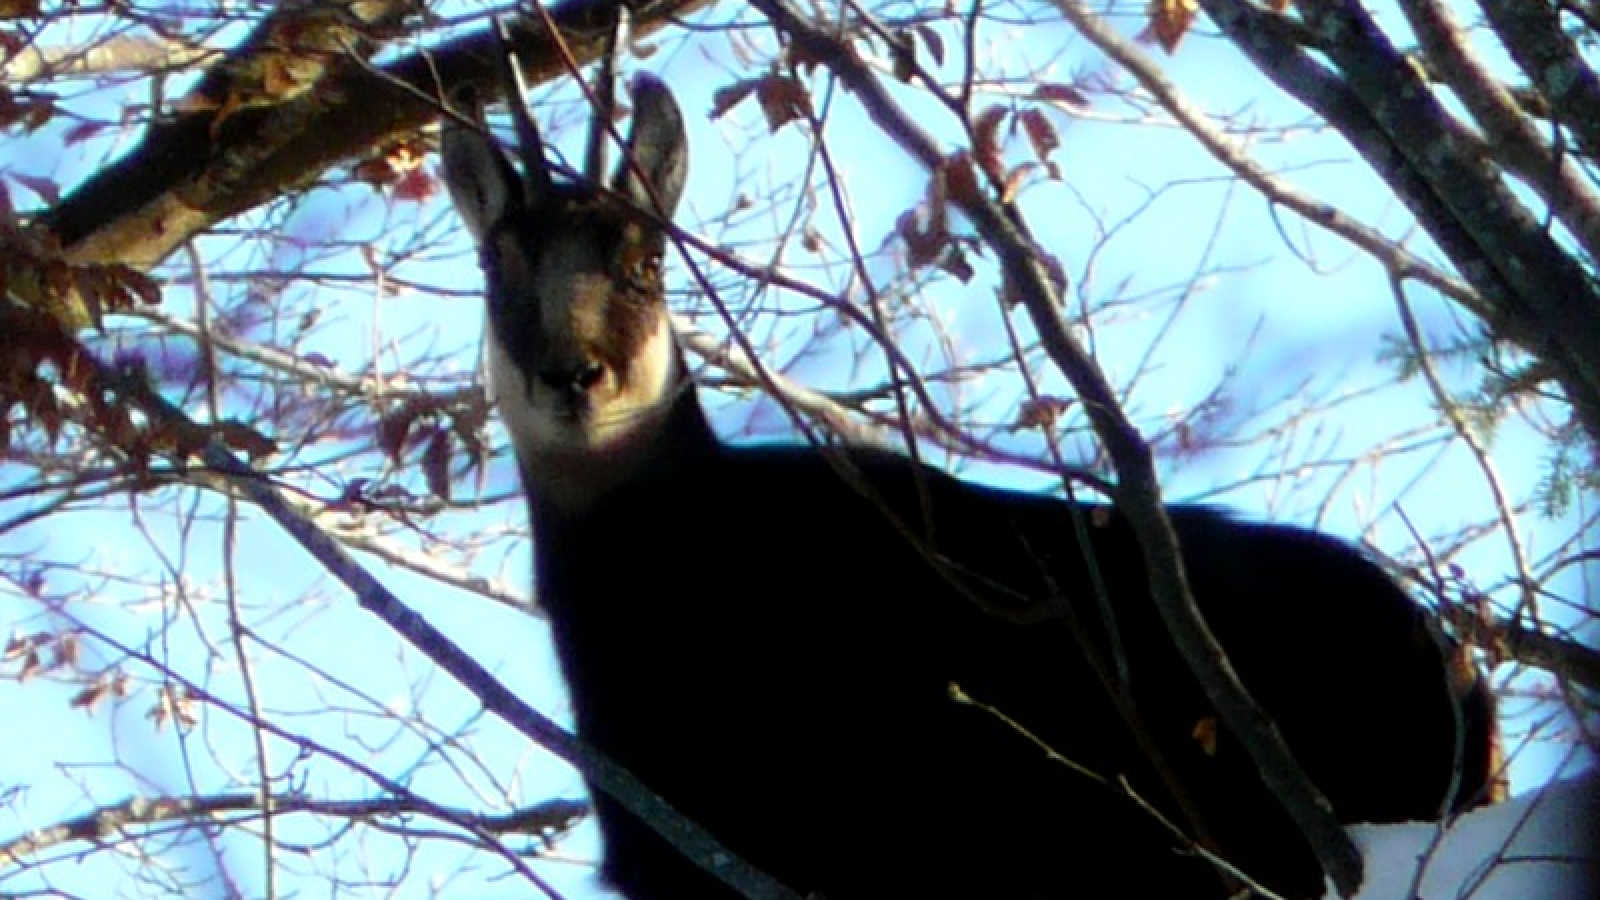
<point>770,644</point>
<point>754,639</point>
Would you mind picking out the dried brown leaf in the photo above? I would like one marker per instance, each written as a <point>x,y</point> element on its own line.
<point>935,43</point>
<point>960,179</point>
<point>1169,22</point>
<point>1012,185</point>
<point>172,706</point>
<point>955,262</point>
<point>394,431</point>
<point>68,649</point>
<point>81,132</point>
<point>473,446</point>
<point>806,57</point>
<point>812,241</point>
<point>1055,92</point>
<point>986,148</point>
<point>416,186</point>
<point>20,645</point>
<point>1041,132</point>
<point>135,286</point>
<point>47,188</point>
<point>923,243</point>
<point>375,170</point>
<point>1205,733</point>
<point>783,99</point>
<point>186,709</point>
<point>1041,412</point>
<point>90,698</point>
<point>729,96</point>
<point>239,436</point>
<point>30,108</point>
<point>32,664</point>
<point>903,57</point>
<point>436,463</point>
<point>87,288</point>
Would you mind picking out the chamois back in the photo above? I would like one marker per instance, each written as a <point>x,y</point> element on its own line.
<point>772,652</point>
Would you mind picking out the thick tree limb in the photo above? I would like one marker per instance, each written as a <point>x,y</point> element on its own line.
<point>1532,33</point>
<point>1512,137</point>
<point>203,166</point>
<point>121,53</point>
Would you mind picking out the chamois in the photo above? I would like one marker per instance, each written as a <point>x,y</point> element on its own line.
<point>770,644</point>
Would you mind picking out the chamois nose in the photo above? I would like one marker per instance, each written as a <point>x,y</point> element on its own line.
<point>574,381</point>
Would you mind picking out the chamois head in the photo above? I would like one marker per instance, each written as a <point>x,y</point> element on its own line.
<point>581,356</point>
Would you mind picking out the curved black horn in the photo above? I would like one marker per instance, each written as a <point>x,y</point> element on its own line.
<point>530,148</point>
<point>605,98</point>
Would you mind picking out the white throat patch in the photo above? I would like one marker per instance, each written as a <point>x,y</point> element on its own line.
<point>569,460</point>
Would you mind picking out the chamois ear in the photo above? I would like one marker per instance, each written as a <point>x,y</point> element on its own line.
<point>482,183</point>
<point>657,147</point>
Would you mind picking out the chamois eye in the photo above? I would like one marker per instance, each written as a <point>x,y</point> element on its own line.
<point>641,269</point>
<point>574,381</point>
<point>588,376</point>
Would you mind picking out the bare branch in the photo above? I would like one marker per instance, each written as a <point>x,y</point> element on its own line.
<point>113,822</point>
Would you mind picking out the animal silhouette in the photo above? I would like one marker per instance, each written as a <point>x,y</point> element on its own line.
<point>767,635</point>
